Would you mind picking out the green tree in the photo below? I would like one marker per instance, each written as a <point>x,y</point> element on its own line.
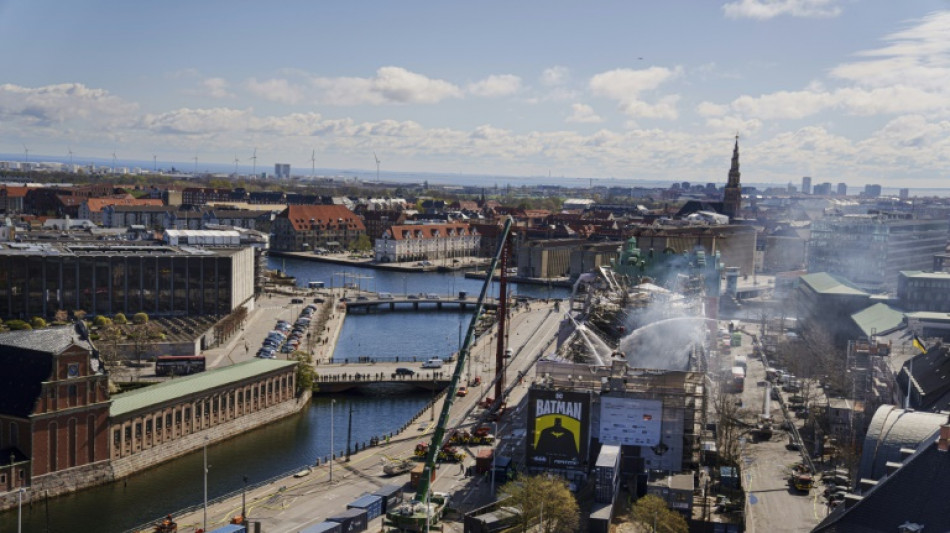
<point>305,372</point>
<point>140,318</point>
<point>362,244</point>
<point>120,319</point>
<point>651,512</point>
<point>542,497</point>
<point>38,322</point>
<point>17,325</point>
<point>102,321</point>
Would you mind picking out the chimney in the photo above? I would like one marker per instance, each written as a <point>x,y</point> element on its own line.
<point>943,443</point>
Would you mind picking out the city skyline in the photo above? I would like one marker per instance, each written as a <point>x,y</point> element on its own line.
<point>842,91</point>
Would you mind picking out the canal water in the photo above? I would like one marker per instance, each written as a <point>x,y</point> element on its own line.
<point>290,444</point>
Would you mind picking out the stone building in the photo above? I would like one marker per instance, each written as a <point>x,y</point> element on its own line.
<point>308,227</point>
<point>417,242</point>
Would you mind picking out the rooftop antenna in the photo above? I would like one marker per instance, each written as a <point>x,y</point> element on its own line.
<point>313,163</point>
<point>236,160</point>
<point>377,166</point>
<point>254,159</point>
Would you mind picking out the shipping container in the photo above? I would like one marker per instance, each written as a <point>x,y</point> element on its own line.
<point>230,528</point>
<point>600,516</point>
<point>607,467</point>
<point>351,520</point>
<point>323,527</point>
<point>372,504</point>
<point>497,520</point>
<point>483,460</point>
<point>416,475</point>
<point>391,495</point>
<point>604,493</point>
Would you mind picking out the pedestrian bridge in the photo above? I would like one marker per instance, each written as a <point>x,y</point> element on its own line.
<point>414,303</point>
<point>379,382</point>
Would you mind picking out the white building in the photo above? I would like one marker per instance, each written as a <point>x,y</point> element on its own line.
<point>419,242</point>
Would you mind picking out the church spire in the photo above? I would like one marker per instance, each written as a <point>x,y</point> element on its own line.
<point>734,170</point>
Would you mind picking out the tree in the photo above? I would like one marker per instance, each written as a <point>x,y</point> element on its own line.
<point>120,319</point>
<point>542,493</point>
<point>362,244</point>
<point>17,325</point>
<point>651,511</point>
<point>60,316</point>
<point>729,426</point>
<point>140,318</point>
<point>101,321</point>
<point>305,372</point>
<point>38,322</point>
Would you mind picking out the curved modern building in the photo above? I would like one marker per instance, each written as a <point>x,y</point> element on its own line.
<point>891,429</point>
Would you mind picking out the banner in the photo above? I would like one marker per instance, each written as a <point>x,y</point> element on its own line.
<point>558,428</point>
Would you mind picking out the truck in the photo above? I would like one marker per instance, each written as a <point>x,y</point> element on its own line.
<point>738,379</point>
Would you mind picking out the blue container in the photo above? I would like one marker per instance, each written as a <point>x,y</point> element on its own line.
<point>324,527</point>
<point>391,495</point>
<point>230,528</point>
<point>371,503</point>
<point>351,520</point>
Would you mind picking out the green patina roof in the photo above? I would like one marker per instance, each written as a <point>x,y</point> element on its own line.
<point>189,385</point>
<point>930,316</point>
<point>825,283</point>
<point>878,319</point>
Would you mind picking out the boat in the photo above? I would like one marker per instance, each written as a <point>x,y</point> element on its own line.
<point>304,473</point>
<point>398,466</point>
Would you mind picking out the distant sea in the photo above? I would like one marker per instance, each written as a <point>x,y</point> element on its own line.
<point>489,181</point>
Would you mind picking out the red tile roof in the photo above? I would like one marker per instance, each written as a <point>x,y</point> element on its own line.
<point>302,217</point>
<point>13,191</point>
<point>428,231</point>
<point>96,204</point>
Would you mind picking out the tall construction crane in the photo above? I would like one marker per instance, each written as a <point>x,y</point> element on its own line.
<point>427,507</point>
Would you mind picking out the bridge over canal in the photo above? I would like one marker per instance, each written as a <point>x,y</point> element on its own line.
<point>413,302</point>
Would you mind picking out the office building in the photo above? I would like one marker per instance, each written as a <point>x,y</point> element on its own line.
<point>842,189</point>
<point>806,185</point>
<point>822,189</point>
<point>40,279</point>
<point>872,190</point>
<point>282,170</point>
<point>870,250</point>
<point>904,194</point>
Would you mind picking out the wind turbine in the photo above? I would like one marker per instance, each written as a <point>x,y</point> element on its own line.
<point>154,164</point>
<point>196,163</point>
<point>235,164</point>
<point>70,151</point>
<point>254,158</point>
<point>377,166</point>
<point>113,162</point>
<point>26,151</point>
<point>313,163</point>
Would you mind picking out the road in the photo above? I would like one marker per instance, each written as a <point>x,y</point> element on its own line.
<point>290,504</point>
<point>772,505</point>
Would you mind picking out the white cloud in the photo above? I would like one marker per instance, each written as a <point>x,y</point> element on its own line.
<point>186,121</point>
<point>584,114</point>
<point>391,85</point>
<point>276,90</point>
<point>556,75</point>
<point>626,85</point>
<point>709,109</point>
<point>767,9</point>
<point>62,103</point>
<point>216,88</point>
<point>496,85</point>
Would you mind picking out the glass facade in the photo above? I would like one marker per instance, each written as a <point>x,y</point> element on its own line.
<point>167,284</point>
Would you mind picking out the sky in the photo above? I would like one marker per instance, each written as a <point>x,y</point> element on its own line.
<point>854,91</point>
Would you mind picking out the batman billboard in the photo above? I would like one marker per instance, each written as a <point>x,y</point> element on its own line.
<point>558,428</point>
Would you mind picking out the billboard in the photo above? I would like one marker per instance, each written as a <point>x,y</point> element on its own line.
<point>558,428</point>
<point>630,421</point>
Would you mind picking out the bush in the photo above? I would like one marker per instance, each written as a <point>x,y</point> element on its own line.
<point>38,323</point>
<point>102,321</point>
<point>120,319</point>
<point>140,318</point>
<point>18,324</point>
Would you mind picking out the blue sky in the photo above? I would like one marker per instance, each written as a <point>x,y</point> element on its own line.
<point>841,90</point>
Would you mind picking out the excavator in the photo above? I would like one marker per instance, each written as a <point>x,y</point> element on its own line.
<point>425,510</point>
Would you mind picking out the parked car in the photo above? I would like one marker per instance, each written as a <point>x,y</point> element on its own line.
<point>435,362</point>
<point>401,371</point>
<point>432,296</point>
<point>296,301</point>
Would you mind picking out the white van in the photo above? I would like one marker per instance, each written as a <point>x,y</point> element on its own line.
<point>433,363</point>
<point>385,296</point>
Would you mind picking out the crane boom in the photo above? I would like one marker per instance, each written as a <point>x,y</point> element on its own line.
<point>439,434</point>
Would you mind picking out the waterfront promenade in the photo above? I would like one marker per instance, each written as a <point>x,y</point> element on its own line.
<point>290,504</point>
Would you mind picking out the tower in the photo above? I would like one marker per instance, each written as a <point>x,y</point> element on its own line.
<point>732,194</point>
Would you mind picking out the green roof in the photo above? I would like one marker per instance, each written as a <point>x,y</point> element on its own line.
<point>190,385</point>
<point>919,274</point>
<point>878,319</point>
<point>825,283</point>
<point>930,316</point>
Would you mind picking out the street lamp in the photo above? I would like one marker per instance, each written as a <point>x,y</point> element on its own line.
<point>331,439</point>
<point>204,523</point>
<point>244,502</point>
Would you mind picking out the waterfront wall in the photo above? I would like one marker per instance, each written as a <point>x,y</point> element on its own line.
<point>131,464</point>
<point>86,476</point>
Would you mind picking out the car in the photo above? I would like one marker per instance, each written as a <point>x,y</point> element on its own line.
<point>463,391</point>
<point>432,296</point>
<point>508,353</point>
<point>362,298</point>
<point>435,362</point>
<point>296,300</point>
<point>318,300</point>
<point>402,371</point>
<point>413,296</point>
<point>385,296</point>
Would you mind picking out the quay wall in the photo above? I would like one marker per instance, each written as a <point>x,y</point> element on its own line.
<point>86,476</point>
<point>136,462</point>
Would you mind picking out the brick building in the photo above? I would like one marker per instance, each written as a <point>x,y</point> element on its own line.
<point>308,227</point>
